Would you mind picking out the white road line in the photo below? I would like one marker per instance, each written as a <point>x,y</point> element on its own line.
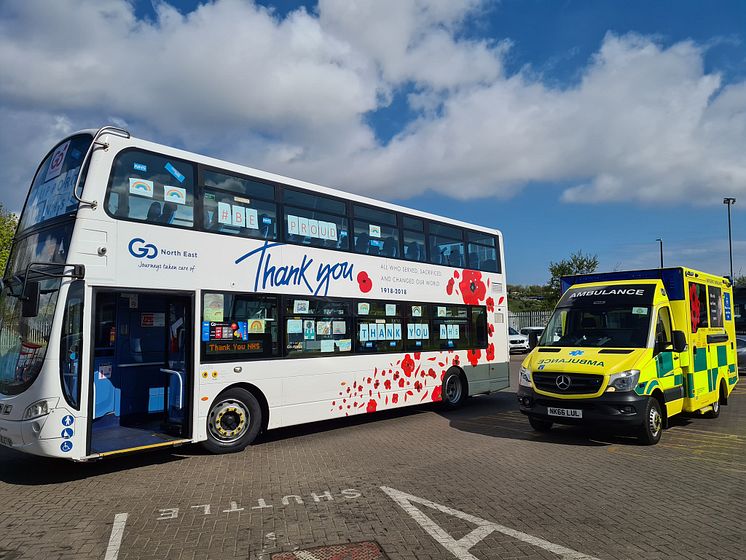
<point>460,548</point>
<point>115,540</point>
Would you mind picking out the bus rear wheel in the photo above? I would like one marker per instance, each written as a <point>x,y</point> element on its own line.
<point>453,391</point>
<point>234,421</point>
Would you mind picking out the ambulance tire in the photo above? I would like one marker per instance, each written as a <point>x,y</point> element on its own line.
<point>234,421</point>
<point>540,425</point>
<point>652,426</point>
<point>715,412</point>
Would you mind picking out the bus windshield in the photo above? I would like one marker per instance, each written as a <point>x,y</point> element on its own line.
<point>23,340</point>
<point>51,193</point>
<point>607,316</point>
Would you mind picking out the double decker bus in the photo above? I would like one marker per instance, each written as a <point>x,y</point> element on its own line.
<point>155,297</point>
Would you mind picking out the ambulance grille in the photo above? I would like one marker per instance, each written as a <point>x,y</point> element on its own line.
<point>580,383</point>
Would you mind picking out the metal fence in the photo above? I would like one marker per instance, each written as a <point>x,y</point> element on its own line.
<point>528,319</point>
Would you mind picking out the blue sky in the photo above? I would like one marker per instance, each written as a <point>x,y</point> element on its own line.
<point>577,125</point>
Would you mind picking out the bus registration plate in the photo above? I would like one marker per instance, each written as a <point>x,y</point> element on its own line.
<point>565,412</point>
<point>6,441</point>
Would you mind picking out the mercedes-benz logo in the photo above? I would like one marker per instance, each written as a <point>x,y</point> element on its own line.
<point>562,382</point>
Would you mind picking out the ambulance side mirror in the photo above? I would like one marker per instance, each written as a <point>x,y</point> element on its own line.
<point>679,341</point>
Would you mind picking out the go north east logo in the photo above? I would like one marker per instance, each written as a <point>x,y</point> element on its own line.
<point>141,250</point>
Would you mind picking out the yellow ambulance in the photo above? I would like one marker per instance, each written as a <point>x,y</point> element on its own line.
<point>632,349</point>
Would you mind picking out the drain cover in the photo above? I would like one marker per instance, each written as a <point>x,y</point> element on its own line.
<point>357,551</point>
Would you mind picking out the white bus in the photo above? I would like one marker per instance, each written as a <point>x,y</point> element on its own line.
<point>155,297</point>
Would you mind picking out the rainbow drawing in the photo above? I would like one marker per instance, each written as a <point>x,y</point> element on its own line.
<point>174,194</point>
<point>141,187</point>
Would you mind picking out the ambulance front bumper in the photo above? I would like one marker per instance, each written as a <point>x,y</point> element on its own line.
<point>614,409</point>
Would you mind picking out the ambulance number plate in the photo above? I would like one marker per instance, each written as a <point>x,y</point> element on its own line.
<point>565,412</point>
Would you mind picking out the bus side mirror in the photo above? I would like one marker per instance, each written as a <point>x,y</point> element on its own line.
<point>679,341</point>
<point>30,299</point>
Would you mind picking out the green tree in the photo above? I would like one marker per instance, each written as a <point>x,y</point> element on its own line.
<point>8,223</point>
<point>578,263</point>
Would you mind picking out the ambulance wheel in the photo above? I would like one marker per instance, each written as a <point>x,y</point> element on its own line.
<point>453,390</point>
<point>234,421</point>
<point>652,426</point>
<point>540,425</point>
<point>715,412</point>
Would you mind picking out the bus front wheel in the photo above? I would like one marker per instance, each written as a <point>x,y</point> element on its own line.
<point>234,421</point>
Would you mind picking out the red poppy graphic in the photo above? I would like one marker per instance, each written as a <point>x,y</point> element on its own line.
<point>491,329</point>
<point>490,304</point>
<point>418,386</point>
<point>473,356</point>
<point>372,405</point>
<point>365,283</point>
<point>472,287</point>
<point>456,360</point>
<point>695,306</point>
<point>395,398</point>
<point>490,354</point>
<point>449,287</point>
<point>407,365</point>
<point>436,393</point>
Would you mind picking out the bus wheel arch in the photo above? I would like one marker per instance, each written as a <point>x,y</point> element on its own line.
<point>455,387</point>
<point>235,419</point>
<point>254,390</point>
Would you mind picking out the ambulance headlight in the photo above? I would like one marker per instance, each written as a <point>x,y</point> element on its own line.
<point>39,408</point>
<point>623,381</point>
<point>524,377</point>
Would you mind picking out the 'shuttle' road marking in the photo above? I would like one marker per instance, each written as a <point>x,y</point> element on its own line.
<point>115,540</point>
<point>460,548</point>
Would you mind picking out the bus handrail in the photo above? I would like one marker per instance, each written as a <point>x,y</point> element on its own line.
<point>104,129</point>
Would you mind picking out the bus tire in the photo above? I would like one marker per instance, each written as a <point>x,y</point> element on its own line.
<point>540,425</point>
<point>234,421</point>
<point>454,389</point>
<point>652,425</point>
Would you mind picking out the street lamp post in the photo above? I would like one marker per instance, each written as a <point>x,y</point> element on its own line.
<point>660,240</point>
<point>728,201</point>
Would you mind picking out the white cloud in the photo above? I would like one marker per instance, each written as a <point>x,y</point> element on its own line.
<point>645,123</point>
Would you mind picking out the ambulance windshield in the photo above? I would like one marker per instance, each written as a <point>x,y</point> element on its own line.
<point>606,316</point>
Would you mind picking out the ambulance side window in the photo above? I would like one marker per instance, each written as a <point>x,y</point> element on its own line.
<point>663,338</point>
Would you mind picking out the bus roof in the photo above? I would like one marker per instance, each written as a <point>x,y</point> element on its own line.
<point>281,179</point>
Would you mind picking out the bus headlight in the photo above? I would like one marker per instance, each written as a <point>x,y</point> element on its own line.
<point>39,408</point>
<point>524,377</point>
<point>623,381</point>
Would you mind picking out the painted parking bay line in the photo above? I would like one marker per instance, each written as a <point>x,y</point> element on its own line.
<point>460,548</point>
<point>115,540</point>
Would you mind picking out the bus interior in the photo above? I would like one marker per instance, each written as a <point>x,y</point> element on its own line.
<point>141,370</point>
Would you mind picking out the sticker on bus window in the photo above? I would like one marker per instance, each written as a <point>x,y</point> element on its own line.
<point>213,310</point>
<point>389,331</point>
<point>313,228</point>
<point>397,331</point>
<point>140,167</point>
<point>295,326</point>
<point>175,172</point>
<point>363,336</point>
<point>443,332</point>
<point>225,213</point>
<point>141,187</point>
<point>309,329</point>
<point>416,311</point>
<point>323,328</point>
<point>390,309</point>
<point>363,308</point>
<point>441,311</point>
<point>372,331</point>
<point>256,326</point>
<point>293,225</point>
<point>381,334</point>
<point>57,161</point>
<point>238,216</point>
<point>375,231</point>
<point>344,345</point>
<point>639,311</point>
<point>252,219</point>
<point>176,195</point>
<point>300,306</point>
<point>339,327</point>
<point>327,346</point>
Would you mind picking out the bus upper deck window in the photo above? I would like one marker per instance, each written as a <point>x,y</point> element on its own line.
<point>151,188</point>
